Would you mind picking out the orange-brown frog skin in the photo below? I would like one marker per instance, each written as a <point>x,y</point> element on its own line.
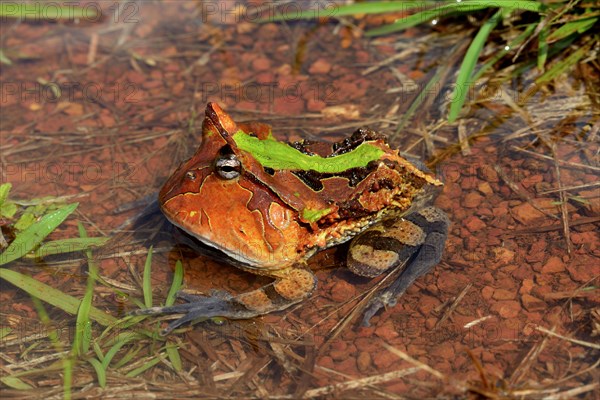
<point>269,206</point>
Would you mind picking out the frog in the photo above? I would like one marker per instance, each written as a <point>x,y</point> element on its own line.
<point>267,206</point>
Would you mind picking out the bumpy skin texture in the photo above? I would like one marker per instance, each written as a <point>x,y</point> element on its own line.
<point>419,254</point>
<point>269,220</point>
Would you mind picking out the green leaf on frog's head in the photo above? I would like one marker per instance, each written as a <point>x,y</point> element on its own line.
<point>311,215</point>
<point>280,156</point>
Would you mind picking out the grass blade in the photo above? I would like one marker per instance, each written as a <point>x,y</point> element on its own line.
<point>377,7</point>
<point>15,383</point>
<point>52,296</point>
<point>68,365</point>
<point>174,357</point>
<point>83,326</point>
<point>130,355</point>
<point>98,351</point>
<point>122,341</point>
<point>419,18</point>
<point>468,65</point>
<point>542,48</point>
<point>81,340</point>
<point>140,305</point>
<point>68,246</point>
<point>332,10</point>
<point>516,42</point>
<point>561,66</point>
<point>453,8</point>
<point>571,27</point>
<point>100,373</point>
<point>176,284</point>
<point>146,366</point>
<point>34,234</point>
<point>147,282</point>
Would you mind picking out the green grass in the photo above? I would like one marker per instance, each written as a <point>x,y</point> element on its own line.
<point>147,282</point>
<point>117,337</point>
<point>559,34</point>
<point>31,226</point>
<point>31,237</point>
<point>464,79</point>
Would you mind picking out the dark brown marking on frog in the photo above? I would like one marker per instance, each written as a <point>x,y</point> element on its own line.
<point>375,250</point>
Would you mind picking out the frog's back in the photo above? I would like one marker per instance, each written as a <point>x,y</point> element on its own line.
<point>270,204</point>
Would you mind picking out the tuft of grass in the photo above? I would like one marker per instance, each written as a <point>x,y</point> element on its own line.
<point>37,221</point>
<point>119,348</point>
<point>32,221</point>
<point>561,29</point>
<point>435,11</point>
<point>34,234</point>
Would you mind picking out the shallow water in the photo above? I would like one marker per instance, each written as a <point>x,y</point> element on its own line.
<point>104,111</point>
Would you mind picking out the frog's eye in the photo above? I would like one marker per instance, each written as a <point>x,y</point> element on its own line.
<point>190,175</point>
<point>228,166</point>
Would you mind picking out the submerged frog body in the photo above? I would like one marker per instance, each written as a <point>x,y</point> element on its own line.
<point>269,206</point>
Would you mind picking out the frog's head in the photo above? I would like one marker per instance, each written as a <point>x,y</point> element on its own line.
<point>215,197</point>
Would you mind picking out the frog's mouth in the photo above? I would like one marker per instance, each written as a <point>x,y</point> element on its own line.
<point>240,258</point>
<point>202,247</point>
<point>213,250</point>
<point>221,254</point>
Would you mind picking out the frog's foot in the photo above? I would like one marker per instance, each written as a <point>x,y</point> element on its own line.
<point>423,245</point>
<point>293,286</point>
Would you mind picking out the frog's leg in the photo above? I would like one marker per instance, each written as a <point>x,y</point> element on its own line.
<point>291,286</point>
<point>415,243</point>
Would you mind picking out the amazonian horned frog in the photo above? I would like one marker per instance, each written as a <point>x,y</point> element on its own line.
<point>268,206</point>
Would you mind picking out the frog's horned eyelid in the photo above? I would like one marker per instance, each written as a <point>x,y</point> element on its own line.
<point>226,151</point>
